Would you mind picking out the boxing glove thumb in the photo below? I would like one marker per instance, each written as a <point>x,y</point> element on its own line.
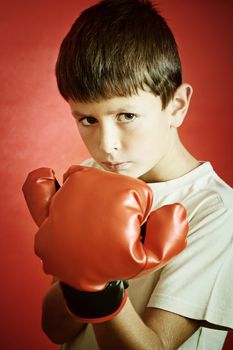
<point>38,189</point>
<point>165,235</point>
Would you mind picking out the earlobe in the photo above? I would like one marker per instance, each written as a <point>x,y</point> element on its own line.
<point>180,104</point>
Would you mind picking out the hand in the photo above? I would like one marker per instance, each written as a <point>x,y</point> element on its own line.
<point>92,235</point>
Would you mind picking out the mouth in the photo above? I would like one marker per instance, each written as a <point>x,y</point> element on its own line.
<point>116,165</point>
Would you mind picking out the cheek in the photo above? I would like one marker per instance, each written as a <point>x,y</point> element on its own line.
<point>88,138</point>
<point>152,139</point>
<point>85,133</point>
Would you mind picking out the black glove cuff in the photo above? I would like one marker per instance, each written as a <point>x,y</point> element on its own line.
<point>94,305</point>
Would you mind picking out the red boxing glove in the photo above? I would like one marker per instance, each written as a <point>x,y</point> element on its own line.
<point>92,235</point>
<point>38,190</point>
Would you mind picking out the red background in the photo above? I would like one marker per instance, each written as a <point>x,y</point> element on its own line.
<point>37,130</point>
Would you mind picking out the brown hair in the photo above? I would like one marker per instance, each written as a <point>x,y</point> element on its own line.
<point>115,48</point>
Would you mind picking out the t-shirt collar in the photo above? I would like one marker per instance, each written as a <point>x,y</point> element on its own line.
<point>167,186</point>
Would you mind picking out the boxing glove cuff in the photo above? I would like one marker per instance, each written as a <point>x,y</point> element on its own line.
<point>96,307</point>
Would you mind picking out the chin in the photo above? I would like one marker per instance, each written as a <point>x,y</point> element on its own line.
<point>135,174</point>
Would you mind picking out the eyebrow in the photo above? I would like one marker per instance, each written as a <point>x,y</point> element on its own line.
<point>122,109</point>
<point>79,114</point>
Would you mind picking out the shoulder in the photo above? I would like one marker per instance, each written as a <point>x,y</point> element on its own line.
<point>208,188</point>
<point>197,283</point>
<point>223,190</point>
<point>207,199</point>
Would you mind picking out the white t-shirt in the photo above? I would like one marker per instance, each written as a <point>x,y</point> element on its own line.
<point>198,283</point>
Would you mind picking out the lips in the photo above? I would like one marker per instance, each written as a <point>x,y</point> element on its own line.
<point>115,165</point>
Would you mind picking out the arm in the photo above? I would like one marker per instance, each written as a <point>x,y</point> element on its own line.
<point>59,256</point>
<point>57,322</point>
<point>159,330</point>
<point>39,188</point>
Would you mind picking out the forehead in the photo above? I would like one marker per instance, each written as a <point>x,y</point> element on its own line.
<point>140,102</point>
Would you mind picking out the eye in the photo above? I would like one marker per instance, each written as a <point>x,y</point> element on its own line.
<point>87,121</point>
<point>126,117</point>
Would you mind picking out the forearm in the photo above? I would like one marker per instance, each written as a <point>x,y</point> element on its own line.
<point>126,331</point>
<point>57,323</point>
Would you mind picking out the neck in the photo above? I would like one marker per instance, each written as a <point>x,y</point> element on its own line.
<point>175,163</point>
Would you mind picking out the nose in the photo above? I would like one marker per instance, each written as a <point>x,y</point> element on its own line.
<point>109,138</point>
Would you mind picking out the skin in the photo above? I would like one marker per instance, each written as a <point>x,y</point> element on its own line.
<point>136,131</point>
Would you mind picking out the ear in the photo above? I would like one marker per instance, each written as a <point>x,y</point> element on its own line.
<point>179,105</point>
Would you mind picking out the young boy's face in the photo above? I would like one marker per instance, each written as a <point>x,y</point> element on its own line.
<point>126,135</point>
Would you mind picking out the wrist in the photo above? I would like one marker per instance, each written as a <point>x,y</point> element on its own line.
<point>97,306</point>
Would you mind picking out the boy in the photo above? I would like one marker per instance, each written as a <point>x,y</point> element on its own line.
<point>120,72</point>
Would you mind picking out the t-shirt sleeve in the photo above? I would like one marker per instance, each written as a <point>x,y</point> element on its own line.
<point>198,283</point>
